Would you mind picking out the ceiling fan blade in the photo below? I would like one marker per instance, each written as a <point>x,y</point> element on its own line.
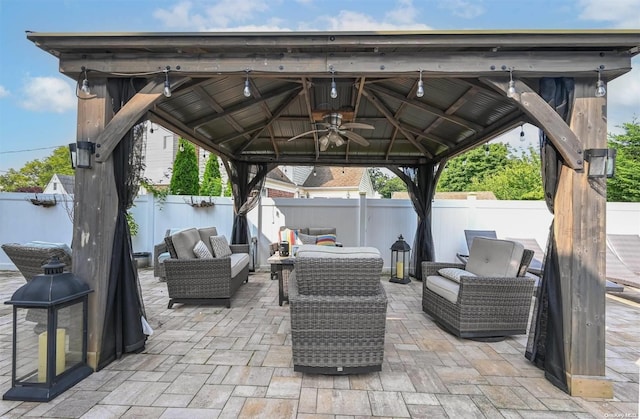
<point>358,125</point>
<point>305,133</point>
<point>355,137</point>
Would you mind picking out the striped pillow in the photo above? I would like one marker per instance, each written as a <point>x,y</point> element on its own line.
<point>326,240</point>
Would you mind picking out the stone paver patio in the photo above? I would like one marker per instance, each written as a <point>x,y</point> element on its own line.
<point>213,362</point>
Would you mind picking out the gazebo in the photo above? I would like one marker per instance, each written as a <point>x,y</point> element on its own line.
<point>408,101</point>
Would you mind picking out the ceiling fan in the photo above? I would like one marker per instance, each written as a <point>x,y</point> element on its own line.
<point>334,129</point>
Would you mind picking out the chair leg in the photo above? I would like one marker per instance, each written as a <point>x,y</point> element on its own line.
<point>170,303</point>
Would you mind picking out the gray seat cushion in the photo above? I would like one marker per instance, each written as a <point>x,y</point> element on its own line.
<point>238,262</point>
<point>494,258</point>
<point>205,233</point>
<point>444,287</point>
<point>184,241</point>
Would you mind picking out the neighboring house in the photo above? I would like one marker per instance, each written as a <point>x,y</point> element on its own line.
<point>283,182</point>
<point>60,184</point>
<point>318,182</point>
<point>160,151</point>
<point>161,147</point>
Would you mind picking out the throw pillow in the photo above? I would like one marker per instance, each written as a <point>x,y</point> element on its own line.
<point>326,240</point>
<point>220,246</point>
<point>307,238</point>
<point>201,251</point>
<point>454,274</point>
<point>290,236</point>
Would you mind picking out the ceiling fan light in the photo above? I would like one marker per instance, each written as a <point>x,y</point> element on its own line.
<point>324,142</point>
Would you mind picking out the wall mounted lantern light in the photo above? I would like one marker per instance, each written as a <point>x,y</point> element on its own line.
<point>80,154</point>
<point>602,162</point>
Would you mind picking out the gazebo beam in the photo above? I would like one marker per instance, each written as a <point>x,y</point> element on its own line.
<point>130,113</point>
<point>432,63</point>
<point>547,119</point>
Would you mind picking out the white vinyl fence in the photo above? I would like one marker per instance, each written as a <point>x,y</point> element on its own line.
<point>359,222</point>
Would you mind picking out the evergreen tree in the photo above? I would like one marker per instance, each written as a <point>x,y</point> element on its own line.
<point>625,185</point>
<point>184,177</point>
<point>227,190</point>
<point>211,181</point>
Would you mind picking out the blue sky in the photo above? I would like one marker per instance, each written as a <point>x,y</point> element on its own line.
<point>38,104</point>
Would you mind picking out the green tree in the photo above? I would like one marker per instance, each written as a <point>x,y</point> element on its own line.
<point>625,185</point>
<point>211,181</point>
<point>37,173</point>
<point>391,185</point>
<point>227,189</point>
<point>475,164</point>
<point>519,180</point>
<point>384,184</point>
<point>184,177</point>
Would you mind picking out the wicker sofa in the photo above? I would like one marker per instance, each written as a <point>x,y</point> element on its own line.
<point>489,298</point>
<point>338,310</point>
<point>161,253</point>
<point>211,280</point>
<point>30,257</point>
<point>305,235</point>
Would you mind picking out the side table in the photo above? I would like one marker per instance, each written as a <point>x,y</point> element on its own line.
<point>281,267</point>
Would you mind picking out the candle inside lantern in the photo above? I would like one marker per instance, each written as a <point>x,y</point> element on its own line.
<point>399,270</point>
<point>42,354</point>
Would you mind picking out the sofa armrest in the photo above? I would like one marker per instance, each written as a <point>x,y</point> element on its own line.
<point>158,249</point>
<point>239,248</point>
<point>432,268</point>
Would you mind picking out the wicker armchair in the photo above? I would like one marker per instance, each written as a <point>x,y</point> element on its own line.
<point>203,281</point>
<point>30,257</point>
<point>491,305</point>
<point>338,310</point>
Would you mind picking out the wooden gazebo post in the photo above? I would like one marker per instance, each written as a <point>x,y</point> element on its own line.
<point>580,231</point>
<point>95,211</point>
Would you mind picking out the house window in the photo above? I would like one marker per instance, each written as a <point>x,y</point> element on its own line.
<point>55,186</point>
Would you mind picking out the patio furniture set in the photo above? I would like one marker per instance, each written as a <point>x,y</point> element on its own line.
<point>337,302</point>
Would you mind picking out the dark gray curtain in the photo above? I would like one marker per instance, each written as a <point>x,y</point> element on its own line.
<point>421,185</point>
<point>246,183</point>
<point>122,331</point>
<point>545,347</point>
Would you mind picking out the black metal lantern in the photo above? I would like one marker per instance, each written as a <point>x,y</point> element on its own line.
<point>49,335</point>
<point>399,256</point>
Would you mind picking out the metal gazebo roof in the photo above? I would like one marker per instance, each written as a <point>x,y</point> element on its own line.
<point>376,76</point>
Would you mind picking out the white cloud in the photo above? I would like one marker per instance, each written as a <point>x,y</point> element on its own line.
<point>462,8</point>
<point>347,20</point>
<point>620,13</point>
<point>623,99</point>
<point>404,14</point>
<point>221,15</point>
<point>48,94</point>
<point>3,92</point>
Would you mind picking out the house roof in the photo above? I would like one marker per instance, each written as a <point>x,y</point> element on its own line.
<point>278,175</point>
<point>335,177</point>
<point>465,75</point>
<point>68,182</point>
